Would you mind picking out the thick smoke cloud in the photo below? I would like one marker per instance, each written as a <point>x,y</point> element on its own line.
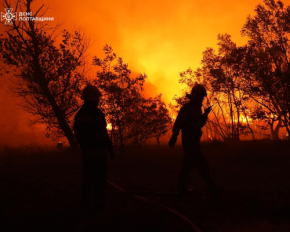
<point>157,37</point>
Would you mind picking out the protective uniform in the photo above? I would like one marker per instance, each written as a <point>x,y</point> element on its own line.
<point>90,130</point>
<point>190,120</point>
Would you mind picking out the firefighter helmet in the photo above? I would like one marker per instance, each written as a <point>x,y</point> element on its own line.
<point>91,93</point>
<point>198,90</point>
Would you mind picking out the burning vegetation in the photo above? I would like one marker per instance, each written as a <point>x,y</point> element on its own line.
<point>248,86</point>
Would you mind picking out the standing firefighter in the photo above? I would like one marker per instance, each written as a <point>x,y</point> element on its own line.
<point>92,136</point>
<point>190,120</point>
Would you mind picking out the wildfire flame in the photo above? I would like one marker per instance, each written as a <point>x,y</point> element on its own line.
<point>109,126</point>
<point>244,119</point>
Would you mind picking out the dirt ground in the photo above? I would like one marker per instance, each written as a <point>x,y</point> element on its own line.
<point>40,190</point>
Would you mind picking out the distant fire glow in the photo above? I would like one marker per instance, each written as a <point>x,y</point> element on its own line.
<point>244,119</point>
<point>109,126</point>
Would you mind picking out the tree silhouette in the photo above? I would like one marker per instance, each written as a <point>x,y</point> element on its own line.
<point>157,118</point>
<point>133,118</point>
<point>266,62</point>
<point>161,119</point>
<point>224,77</point>
<point>260,113</point>
<point>249,82</point>
<point>47,77</point>
<point>221,75</point>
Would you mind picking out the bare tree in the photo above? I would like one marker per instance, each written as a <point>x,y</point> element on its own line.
<point>47,75</point>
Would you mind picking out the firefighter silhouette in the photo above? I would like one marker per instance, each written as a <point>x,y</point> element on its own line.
<point>90,130</point>
<point>190,120</point>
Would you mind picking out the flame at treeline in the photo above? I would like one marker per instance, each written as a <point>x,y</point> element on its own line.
<point>158,37</point>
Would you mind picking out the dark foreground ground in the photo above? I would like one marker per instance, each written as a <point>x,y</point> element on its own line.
<point>40,190</point>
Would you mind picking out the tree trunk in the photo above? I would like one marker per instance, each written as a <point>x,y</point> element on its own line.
<point>275,132</point>
<point>59,114</point>
<point>121,136</point>
<point>61,118</point>
<point>43,84</point>
<point>158,142</point>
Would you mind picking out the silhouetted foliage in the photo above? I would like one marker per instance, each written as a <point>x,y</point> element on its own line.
<point>251,82</point>
<point>266,62</point>
<point>159,120</point>
<point>221,76</point>
<point>132,117</point>
<point>47,76</point>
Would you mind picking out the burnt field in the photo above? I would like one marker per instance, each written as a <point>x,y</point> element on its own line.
<point>40,190</point>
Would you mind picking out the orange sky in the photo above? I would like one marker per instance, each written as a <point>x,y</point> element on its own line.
<point>157,37</point>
